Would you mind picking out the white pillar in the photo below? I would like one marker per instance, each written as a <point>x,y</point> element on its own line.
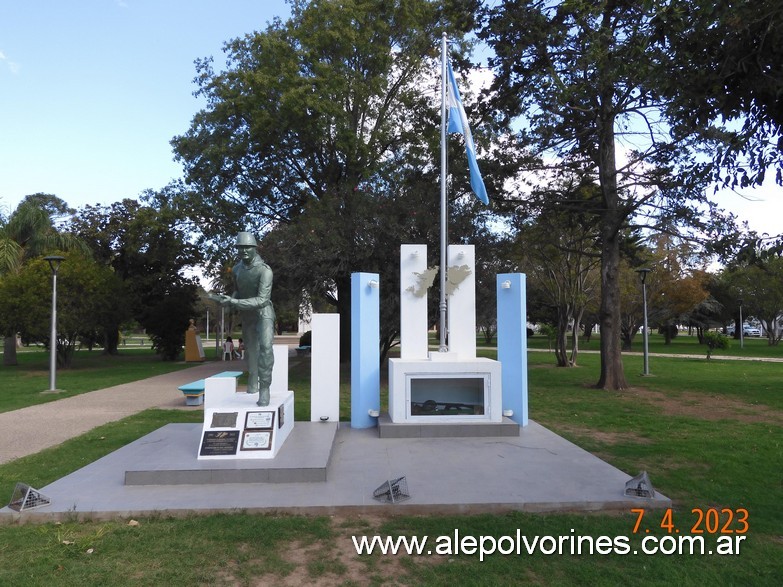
<point>413,301</point>
<point>280,369</point>
<point>462,300</point>
<point>325,368</point>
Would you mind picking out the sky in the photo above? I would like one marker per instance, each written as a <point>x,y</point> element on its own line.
<point>93,91</point>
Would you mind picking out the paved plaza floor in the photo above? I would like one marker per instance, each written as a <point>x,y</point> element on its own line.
<point>340,468</point>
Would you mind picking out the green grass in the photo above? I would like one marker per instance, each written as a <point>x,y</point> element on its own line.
<point>53,463</point>
<point>21,385</point>
<point>710,434</point>
<point>682,344</point>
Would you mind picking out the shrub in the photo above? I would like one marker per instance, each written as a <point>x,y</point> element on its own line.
<point>306,339</point>
<point>715,340</point>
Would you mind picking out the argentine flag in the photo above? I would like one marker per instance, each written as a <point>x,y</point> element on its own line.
<point>458,122</point>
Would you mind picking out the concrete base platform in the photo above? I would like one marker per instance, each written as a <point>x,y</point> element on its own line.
<point>535,471</point>
<point>389,429</point>
<point>166,457</point>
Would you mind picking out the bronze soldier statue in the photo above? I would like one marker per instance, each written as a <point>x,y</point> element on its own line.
<point>252,298</point>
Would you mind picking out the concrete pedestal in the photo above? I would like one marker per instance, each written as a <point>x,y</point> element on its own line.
<point>236,428</point>
<point>445,389</point>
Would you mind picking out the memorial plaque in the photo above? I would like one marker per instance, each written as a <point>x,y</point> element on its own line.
<point>224,420</point>
<point>280,415</point>
<point>219,443</point>
<point>257,440</point>
<point>260,420</point>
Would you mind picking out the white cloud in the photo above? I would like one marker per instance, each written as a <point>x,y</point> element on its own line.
<point>12,66</point>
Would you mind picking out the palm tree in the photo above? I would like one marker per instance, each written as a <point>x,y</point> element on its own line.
<point>29,232</point>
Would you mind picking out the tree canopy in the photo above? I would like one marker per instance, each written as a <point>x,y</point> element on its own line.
<point>731,53</point>
<point>31,231</point>
<point>584,79</point>
<point>316,129</point>
<point>150,253</point>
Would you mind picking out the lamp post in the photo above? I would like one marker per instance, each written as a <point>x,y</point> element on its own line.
<point>643,276</point>
<point>742,326</point>
<point>54,264</point>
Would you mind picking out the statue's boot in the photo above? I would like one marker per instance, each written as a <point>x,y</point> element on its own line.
<point>263,397</point>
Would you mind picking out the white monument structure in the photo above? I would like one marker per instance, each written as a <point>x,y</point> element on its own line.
<point>235,427</point>
<point>451,386</point>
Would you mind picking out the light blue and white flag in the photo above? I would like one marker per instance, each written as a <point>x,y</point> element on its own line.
<point>458,122</point>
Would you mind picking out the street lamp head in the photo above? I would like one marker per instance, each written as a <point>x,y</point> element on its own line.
<point>643,271</point>
<point>54,262</point>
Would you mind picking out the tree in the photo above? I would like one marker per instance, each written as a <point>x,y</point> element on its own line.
<point>149,252</point>
<point>733,52</point>
<point>760,285</point>
<point>558,252</point>
<point>313,123</point>
<point>31,231</point>
<point>584,78</point>
<point>86,291</point>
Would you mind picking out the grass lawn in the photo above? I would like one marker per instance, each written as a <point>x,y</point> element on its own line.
<point>682,344</point>
<point>21,385</point>
<point>710,434</point>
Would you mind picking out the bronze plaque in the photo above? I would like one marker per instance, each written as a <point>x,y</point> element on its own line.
<point>218,442</point>
<point>224,420</point>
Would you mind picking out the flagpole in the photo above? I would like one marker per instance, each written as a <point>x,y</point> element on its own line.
<point>443,200</point>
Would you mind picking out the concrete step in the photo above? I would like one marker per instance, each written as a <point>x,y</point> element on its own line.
<point>389,429</point>
<point>169,456</point>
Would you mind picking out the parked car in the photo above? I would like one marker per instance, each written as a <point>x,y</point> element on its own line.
<point>747,330</point>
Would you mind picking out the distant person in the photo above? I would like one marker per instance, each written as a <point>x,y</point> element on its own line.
<point>228,348</point>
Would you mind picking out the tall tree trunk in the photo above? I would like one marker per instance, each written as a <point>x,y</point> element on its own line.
<point>612,373</point>
<point>111,340</point>
<point>667,333</point>
<point>561,341</point>
<point>575,335</point>
<point>626,336</point>
<point>9,351</point>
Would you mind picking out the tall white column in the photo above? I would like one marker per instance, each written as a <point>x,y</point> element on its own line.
<point>462,300</point>
<point>280,369</point>
<point>325,368</point>
<point>414,283</point>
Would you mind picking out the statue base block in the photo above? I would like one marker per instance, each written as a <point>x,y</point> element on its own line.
<point>236,428</point>
<point>445,389</point>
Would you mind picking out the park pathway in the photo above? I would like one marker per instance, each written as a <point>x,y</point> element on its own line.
<point>29,430</point>
<point>680,356</point>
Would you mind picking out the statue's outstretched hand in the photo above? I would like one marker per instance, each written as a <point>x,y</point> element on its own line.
<point>221,299</point>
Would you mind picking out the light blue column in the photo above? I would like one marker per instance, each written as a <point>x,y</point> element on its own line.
<point>512,343</point>
<point>365,349</point>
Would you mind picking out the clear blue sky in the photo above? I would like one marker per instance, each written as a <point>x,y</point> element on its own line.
<point>92,91</point>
